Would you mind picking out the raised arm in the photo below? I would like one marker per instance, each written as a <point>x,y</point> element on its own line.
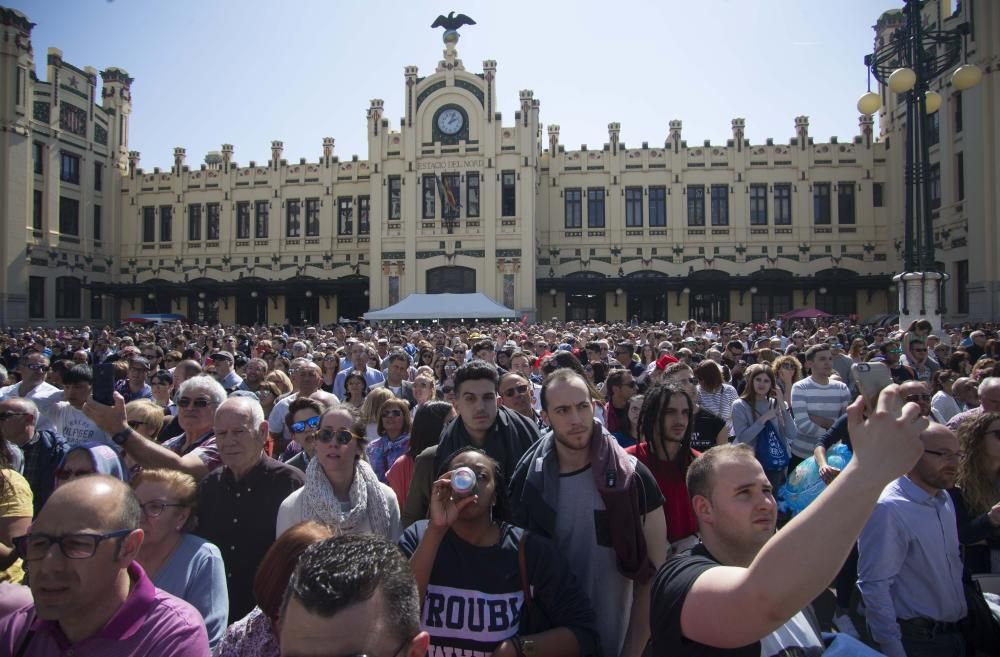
<point>802,559</point>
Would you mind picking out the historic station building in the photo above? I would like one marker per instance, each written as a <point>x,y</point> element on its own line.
<point>455,198</point>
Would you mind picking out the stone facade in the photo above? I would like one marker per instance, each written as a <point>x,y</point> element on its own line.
<point>453,198</point>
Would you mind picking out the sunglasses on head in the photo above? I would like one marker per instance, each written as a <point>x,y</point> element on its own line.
<point>343,436</point>
<point>302,425</point>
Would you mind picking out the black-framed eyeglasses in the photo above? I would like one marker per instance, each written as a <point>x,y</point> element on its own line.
<point>201,402</point>
<point>516,390</point>
<point>154,508</point>
<point>302,425</point>
<point>33,547</point>
<point>343,436</point>
<point>948,456</point>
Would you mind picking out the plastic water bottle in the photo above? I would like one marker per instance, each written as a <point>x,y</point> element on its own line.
<point>464,482</point>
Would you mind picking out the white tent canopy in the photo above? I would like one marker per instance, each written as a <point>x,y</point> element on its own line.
<point>442,306</point>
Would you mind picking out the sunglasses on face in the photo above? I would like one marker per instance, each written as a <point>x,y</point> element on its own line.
<point>6,415</point>
<point>516,390</point>
<point>342,436</point>
<point>302,425</point>
<point>38,367</point>
<point>64,474</point>
<point>184,402</point>
<point>395,412</point>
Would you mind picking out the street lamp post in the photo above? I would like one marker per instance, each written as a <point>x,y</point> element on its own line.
<point>907,62</point>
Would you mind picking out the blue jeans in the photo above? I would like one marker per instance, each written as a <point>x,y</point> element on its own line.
<point>920,642</point>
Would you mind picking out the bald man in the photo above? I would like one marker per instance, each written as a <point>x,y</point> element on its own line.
<point>90,597</point>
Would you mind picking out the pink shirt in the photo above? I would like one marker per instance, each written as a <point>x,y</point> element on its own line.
<point>150,623</point>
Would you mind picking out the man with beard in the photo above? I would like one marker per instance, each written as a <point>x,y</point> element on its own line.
<point>709,429</point>
<point>909,566</point>
<point>253,374</point>
<point>744,589</point>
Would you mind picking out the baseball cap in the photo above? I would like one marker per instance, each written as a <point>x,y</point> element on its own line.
<point>664,361</point>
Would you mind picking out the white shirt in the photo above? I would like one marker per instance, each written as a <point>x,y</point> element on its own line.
<point>76,428</point>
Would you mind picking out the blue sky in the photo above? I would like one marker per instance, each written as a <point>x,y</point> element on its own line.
<point>248,72</point>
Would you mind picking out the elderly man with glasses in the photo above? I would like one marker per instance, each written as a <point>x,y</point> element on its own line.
<point>33,366</point>
<point>41,450</point>
<point>90,595</point>
<point>194,451</point>
<point>238,503</point>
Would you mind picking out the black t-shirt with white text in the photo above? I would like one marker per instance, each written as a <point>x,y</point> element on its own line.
<point>707,426</point>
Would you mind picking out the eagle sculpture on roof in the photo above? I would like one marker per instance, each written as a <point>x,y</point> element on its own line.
<point>451,23</point>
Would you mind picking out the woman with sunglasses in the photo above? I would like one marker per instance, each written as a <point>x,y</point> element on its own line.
<point>267,395</point>
<point>87,459</point>
<point>787,370</point>
<point>341,489</point>
<point>977,495</point>
<point>469,553</point>
<point>331,367</point>
<point>161,383</point>
<point>394,436</point>
<point>428,423</point>
<point>182,564</point>
<point>303,423</point>
<point>146,417</point>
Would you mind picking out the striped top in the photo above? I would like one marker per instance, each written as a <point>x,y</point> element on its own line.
<point>810,398</point>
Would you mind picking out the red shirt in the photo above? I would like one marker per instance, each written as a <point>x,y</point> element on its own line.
<point>677,508</point>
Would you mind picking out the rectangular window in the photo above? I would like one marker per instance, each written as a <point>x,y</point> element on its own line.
<point>36,296</point>
<point>573,208</point>
<point>98,176</point>
<point>657,206</point>
<point>345,215</point>
<point>194,222</point>
<point>364,227</point>
<point>933,128</point>
<point>312,217</point>
<point>782,204</point>
<point>956,111</point>
<point>758,204</point>
<point>149,224</point>
<point>166,223</point>
<point>472,194</point>
<point>69,168</point>
<point>508,196</point>
<point>68,297</point>
<point>696,205</point>
<point>720,205</point>
<point>845,203</point>
<point>877,191</point>
<point>243,220</point>
<point>292,224</point>
<point>595,207</point>
<point>214,212</point>
<point>36,210</point>
<point>633,207</point>
<point>451,204</point>
<point>959,176</point>
<point>427,192</point>
<point>97,223</point>
<point>935,186</point>
<point>821,203</point>
<point>69,216</point>
<point>962,286</point>
<point>260,219</point>
<point>395,197</point>
<point>38,156</point>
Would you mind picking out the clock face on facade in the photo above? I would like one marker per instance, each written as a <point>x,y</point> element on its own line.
<point>450,121</point>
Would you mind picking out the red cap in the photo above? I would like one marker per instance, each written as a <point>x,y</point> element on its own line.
<point>663,361</point>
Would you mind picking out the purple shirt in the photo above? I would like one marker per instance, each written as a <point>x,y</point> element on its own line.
<point>150,623</point>
<point>204,447</point>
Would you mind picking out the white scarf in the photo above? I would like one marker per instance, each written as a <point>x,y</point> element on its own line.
<point>366,497</point>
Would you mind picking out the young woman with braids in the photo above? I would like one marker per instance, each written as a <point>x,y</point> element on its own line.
<point>665,425</point>
<point>977,495</point>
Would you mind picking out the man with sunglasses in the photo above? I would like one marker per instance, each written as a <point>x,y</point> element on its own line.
<point>33,366</point>
<point>90,595</point>
<point>918,360</point>
<point>892,352</point>
<point>352,595</point>
<point>909,564</point>
<point>518,394</point>
<point>238,503</point>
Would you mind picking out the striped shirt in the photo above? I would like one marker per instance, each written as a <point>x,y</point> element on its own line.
<point>811,398</point>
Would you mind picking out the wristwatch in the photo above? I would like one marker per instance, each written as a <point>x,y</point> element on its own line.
<point>525,647</point>
<point>120,437</point>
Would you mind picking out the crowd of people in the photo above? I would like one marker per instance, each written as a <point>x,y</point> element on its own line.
<point>510,489</point>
